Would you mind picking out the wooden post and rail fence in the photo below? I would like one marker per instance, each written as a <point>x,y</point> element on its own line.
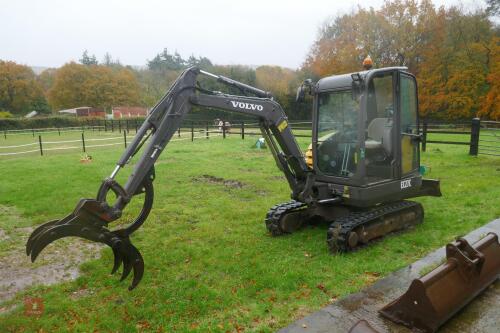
<point>484,136</point>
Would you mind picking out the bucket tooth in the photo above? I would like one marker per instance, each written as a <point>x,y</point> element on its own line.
<point>435,297</point>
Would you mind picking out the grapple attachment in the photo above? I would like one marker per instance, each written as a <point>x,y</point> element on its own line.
<point>89,220</point>
<point>434,298</point>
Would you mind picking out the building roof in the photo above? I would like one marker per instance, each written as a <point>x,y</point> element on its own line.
<point>73,111</point>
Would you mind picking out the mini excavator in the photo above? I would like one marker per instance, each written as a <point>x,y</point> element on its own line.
<point>362,165</point>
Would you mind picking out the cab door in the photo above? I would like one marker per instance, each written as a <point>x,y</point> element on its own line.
<point>409,137</point>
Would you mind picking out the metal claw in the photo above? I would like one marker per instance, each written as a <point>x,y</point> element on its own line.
<point>59,231</point>
<point>36,232</point>
<point>118,258</point>
<point>138,269</point>
<point>127,268</point>
<point>89,220</point>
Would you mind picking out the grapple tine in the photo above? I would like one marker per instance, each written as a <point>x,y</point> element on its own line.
<point>127,268</point>
<point>36,232</point>
<point>59,231</point>
<point>118,258</point>
<point>138,268</point>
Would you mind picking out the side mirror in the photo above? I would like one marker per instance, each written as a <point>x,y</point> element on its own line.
<point>301,90</point>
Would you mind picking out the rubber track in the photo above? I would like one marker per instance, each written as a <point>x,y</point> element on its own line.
<point>274,215</point>
<point>357,219</point>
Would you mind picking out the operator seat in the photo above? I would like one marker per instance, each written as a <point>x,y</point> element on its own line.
<point>379,135</point>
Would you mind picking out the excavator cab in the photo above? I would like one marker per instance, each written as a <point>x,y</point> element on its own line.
<point>365,135</point>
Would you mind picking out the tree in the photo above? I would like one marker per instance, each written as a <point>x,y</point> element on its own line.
<point>97,86</point>
<point>165,61</point>
<point>449,50</point>
<point>20,92</point>
<point>490,104</point>
<point>110,62</point>
<point>88,60</point>
<point>493,7</point>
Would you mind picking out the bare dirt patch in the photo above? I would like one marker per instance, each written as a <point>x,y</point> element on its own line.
<point>58,262</point>
<point>221,181</point>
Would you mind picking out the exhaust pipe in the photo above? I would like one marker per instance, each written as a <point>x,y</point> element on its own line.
<point>435,297</point>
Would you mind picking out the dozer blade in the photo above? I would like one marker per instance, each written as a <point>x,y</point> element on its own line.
<point>434,298</point>
<point>89,221</point>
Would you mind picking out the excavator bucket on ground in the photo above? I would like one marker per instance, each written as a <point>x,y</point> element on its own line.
<point>435,297</point>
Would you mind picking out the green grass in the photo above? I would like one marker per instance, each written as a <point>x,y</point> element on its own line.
<point>210,264</point>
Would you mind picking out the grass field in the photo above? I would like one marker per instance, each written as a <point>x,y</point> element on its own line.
<point>210,264</point>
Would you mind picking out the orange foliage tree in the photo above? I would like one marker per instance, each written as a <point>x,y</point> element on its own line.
<point>19,91</point>
<point>93,85</point>
<point>453,53</point>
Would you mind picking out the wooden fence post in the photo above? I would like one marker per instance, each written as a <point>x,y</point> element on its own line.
<point>192,131</point>
<point>33,131</point>
<point>59,130</point>
<point>474,136</point>
<point>179,131</point>
<point>223,129</point>
<point>83,142</point>
<point>242,130</point>
<point>40,142</point>
<point>424,136</point>
<point>206,130</point>
<point>5,134</point>
<point>125,138</point>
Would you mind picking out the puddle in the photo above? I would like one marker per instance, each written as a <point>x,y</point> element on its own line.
<point>216,180</point>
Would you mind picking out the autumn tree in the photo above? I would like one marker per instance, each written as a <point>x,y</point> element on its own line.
<point>20,92</point>
<point>490,104</point>
<point>98,86</point>
<point>449,50</point>
<point>87,59</point>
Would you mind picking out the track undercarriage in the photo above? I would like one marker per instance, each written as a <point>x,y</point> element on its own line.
<point>354,228</point>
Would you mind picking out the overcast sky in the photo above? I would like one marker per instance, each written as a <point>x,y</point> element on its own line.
<point>253,32</point>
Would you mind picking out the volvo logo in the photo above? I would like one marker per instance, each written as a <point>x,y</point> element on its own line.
<point>247,106</point>
<point>405,183</point>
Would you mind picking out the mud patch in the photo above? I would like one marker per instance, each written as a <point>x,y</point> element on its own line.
<point>58,262</point>
<point>230,183</point>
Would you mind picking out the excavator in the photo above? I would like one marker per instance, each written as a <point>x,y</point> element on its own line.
<point>362,165</point>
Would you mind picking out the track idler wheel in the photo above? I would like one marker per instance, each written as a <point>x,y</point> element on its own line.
<point>89,220</point>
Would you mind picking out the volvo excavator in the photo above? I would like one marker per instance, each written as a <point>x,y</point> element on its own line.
<point>362,165</point>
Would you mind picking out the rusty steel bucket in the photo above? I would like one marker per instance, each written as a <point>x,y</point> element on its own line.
<point>435,297</point>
